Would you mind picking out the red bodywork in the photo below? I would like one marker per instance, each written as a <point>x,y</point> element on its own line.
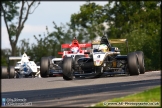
<point>75,43</point>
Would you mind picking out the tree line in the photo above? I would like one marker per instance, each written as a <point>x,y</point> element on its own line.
<point>137,21</point>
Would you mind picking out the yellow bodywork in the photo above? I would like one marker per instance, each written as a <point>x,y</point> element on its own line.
<point>97,42</point>
<point>98,64</point>
<point>114,64</point>
<point>112,41</point>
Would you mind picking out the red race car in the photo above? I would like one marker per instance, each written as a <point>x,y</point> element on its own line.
<point>51,66</point>
<point>75,48</point>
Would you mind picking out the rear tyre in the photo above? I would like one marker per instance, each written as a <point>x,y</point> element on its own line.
<point>140,56</point>
<point>4,72</point>
<point>133,64</point>
<point>44,64</point>
<point>12,72</point>
<point>67,68</point>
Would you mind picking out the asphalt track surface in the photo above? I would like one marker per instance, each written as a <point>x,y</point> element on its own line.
<point>56,92</point>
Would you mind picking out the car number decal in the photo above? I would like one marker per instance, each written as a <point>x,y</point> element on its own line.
<point>97,62</point>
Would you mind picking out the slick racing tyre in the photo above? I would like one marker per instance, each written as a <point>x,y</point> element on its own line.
<point>140,56</point>
<point>11,72</point>
<point>44,67</point>
<point>67,68</point>
<point>133,64</point>
<point>4,72</point>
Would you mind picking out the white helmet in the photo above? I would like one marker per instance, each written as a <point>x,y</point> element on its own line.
<point>75,49</point>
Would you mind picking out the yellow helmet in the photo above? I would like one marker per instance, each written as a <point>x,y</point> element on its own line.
<point>103,48</point>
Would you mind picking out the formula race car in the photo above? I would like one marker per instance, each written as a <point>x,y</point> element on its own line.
<point>104,59</point>
<point>23,68</point>
<point>51,66</point>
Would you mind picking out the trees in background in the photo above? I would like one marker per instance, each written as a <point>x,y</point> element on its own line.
<point>49,44</point>
<point>4,56</point>
<point>15,14</point>
<point>88,23</point>
<point>138,21</point>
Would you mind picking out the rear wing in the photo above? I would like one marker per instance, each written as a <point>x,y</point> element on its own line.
<point>65,45</point>
<point>15,58</point>
<point>97,42</point>
<point>112,41</point>
<point>118,40</point>
<point>80,45</point>
<point>85,45</point>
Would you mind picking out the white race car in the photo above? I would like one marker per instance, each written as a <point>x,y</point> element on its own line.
<point>51,66</point>
<point>23,69</point>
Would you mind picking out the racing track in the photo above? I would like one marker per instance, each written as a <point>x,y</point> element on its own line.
<point>54,91</point>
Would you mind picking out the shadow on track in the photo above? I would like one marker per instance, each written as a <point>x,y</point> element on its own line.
<point>81,94</point>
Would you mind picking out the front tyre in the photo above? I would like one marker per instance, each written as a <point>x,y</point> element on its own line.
<point>12,72</point>
<point>67,68</point>
<point>44,67</point>
<point>141,61</point>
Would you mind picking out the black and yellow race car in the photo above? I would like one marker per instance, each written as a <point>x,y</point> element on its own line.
<point>104,59</point>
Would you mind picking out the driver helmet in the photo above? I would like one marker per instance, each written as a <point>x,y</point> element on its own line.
<point>103,48</point>
<point>74,49</point>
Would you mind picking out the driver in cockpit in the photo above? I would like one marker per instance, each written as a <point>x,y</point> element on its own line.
<point>103,48</point>
<point>75,50</point>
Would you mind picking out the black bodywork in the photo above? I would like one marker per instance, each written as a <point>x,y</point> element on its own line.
<point>114,63</point>
<point>86,65</point>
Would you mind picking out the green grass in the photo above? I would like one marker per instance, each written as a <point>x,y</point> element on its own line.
<point>151,96</point>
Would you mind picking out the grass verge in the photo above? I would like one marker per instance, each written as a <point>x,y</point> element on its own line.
<point>147,98</point>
